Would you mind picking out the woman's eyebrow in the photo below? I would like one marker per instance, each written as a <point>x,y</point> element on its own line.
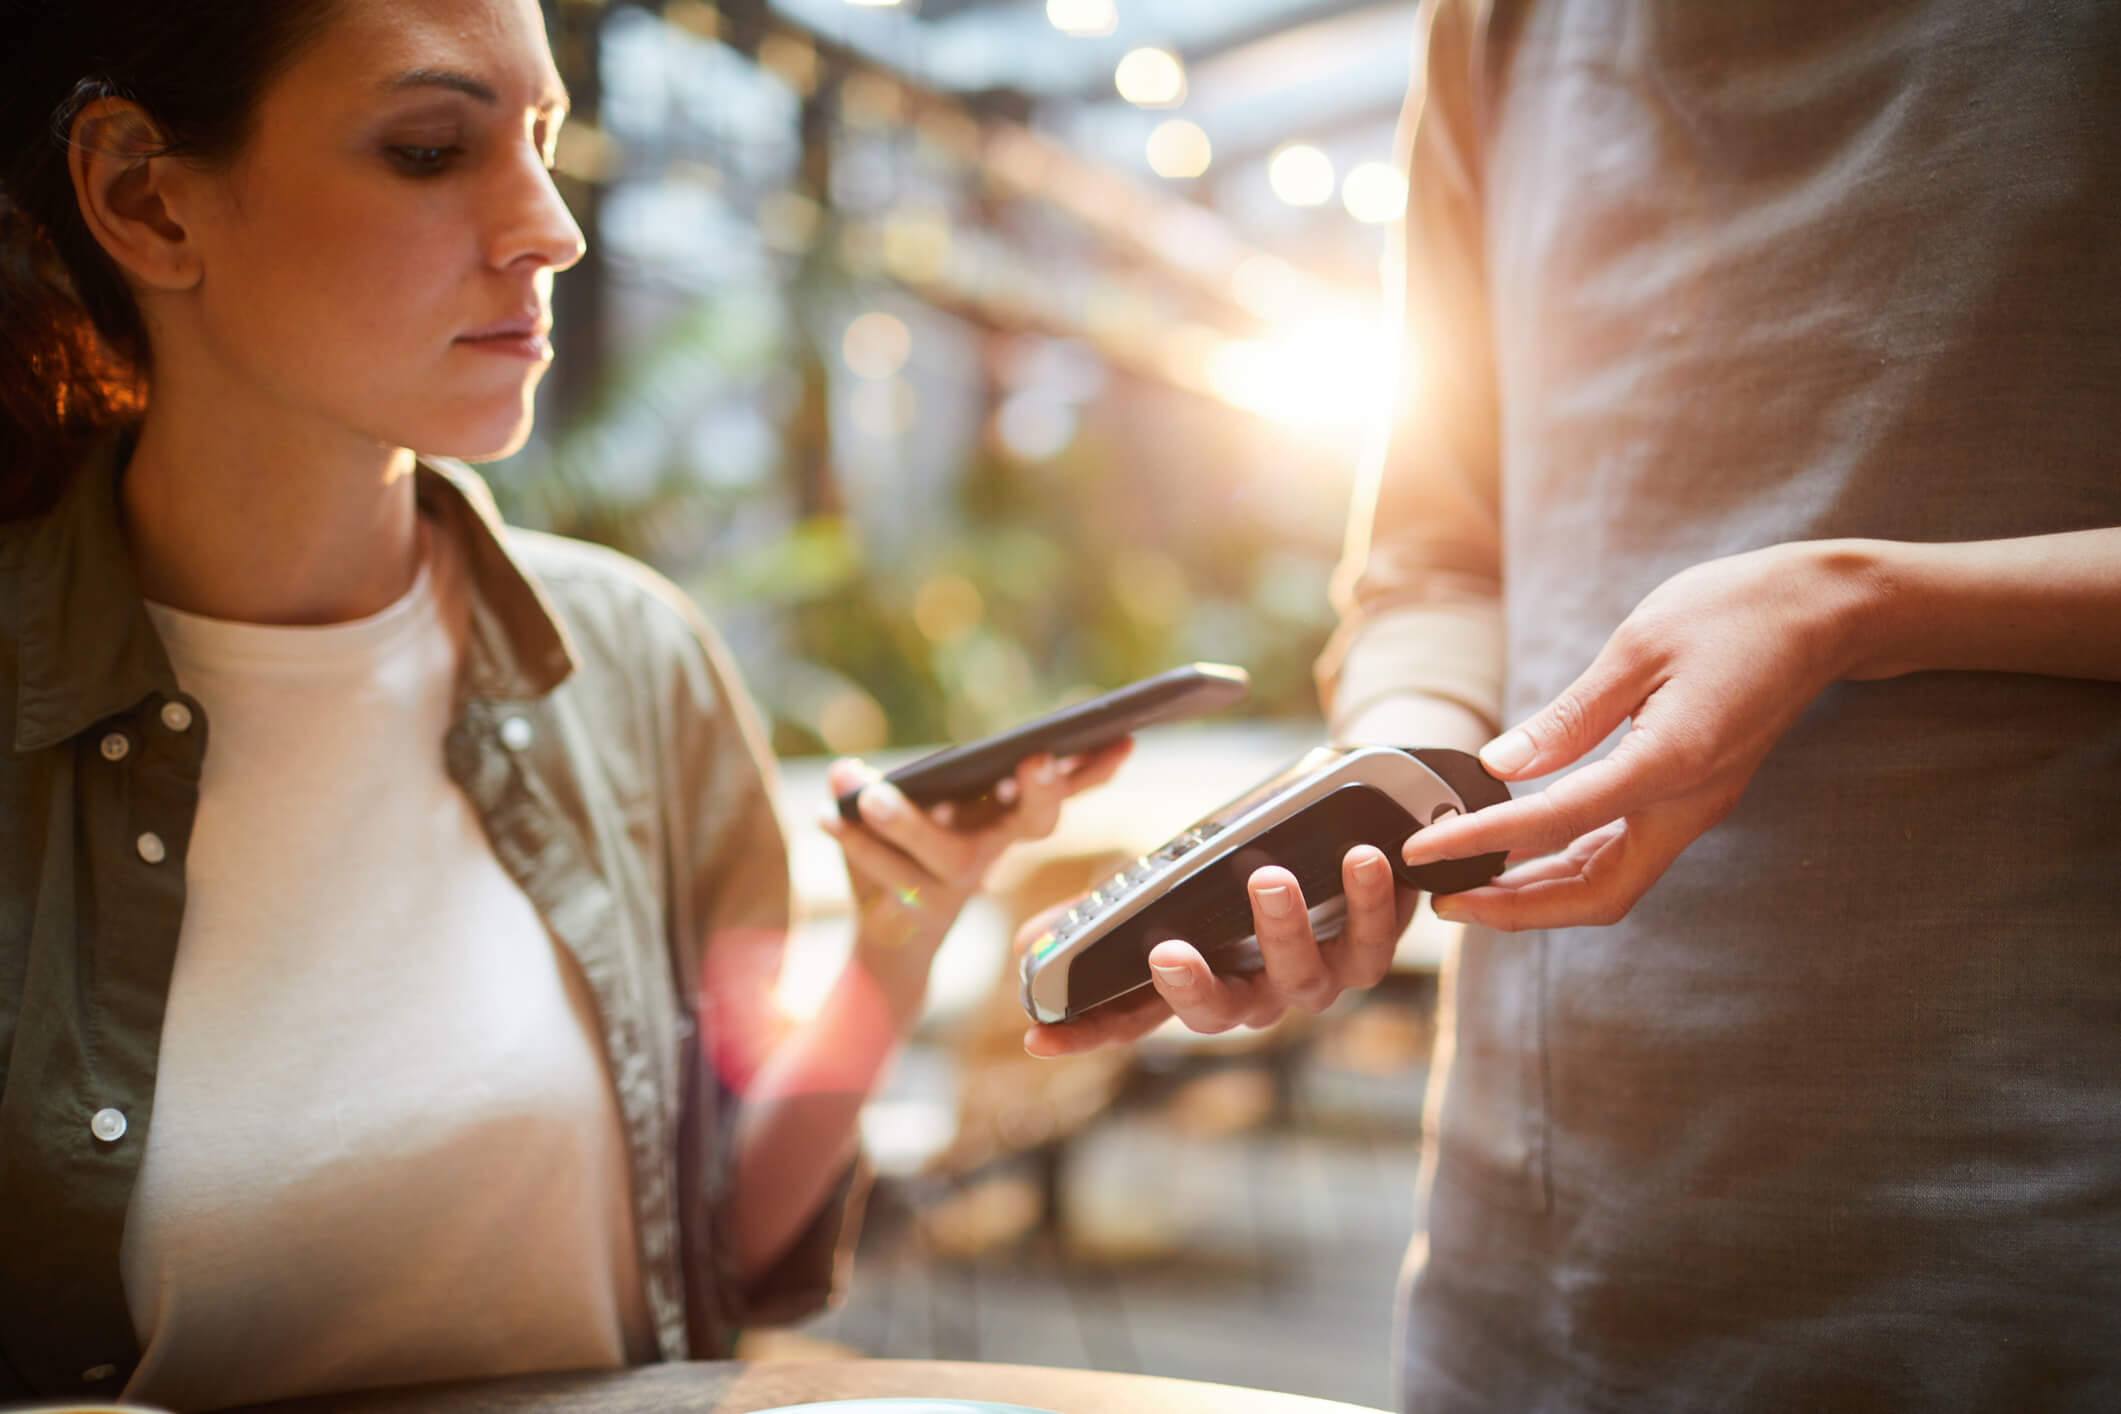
<point>459,82</point>
<point>443,78</point>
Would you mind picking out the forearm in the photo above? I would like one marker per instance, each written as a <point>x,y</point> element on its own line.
<point>1416,673</point>
<point>799,1128</point>
<point>1412,719</point>
<point>2048,604</point>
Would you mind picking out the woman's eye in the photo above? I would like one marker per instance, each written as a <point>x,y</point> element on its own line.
<point>421,161</point>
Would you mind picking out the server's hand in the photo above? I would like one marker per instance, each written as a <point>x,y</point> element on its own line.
<point>1300,972</point>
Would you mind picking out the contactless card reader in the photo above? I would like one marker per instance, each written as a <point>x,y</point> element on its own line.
<point>1304,818</point>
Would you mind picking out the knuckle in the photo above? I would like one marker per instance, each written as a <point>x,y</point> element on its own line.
<point>1313,993</point>
<point>1263,1015</point>
<point>1564,723</point>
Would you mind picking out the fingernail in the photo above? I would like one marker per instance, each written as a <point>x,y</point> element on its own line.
<point>1509,752</point>
<point>1005,791</point>
<point>1045,771</point>
<point>1172,976</point>
<point>1276,900</point>
<point>1417,851</point>
<point>882,802</point>
<point>1370,870</point>
<point>1445,908</point>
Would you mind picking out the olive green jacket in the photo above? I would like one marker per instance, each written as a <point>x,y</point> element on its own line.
<point>618,768</point>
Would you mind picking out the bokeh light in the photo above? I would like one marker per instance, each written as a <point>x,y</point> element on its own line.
<point>947,608</point>
<point>1150,78</point>
<point>1301,175</point>
<point>851,722</point>
<point>1034,426</point>
<point>1374,193</point>
<point>1082,17</point>
<point>876,345</point>
<point>1178,149</point>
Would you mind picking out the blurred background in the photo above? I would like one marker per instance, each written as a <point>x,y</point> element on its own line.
<point>963,358</point>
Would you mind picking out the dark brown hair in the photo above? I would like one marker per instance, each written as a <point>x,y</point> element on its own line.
<point>73,351</point>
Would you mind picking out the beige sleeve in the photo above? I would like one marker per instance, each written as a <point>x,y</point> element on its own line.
<point>1420,585</point>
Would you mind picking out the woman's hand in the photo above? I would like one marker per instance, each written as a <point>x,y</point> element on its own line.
<point>912,870</point>
<point>1711,669</point>
<point>1299,972</point>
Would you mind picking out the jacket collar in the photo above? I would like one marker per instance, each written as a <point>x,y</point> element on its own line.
<point>518,651</point>
<point>89,650</point>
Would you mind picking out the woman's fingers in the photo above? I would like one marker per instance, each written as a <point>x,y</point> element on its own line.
<point>1539,823</point>
<point>1582,715</point>
<point>1042,784</point>
<point>1094,768</point>
<point>1040,791</point>
<point>1201,1000</point>
<point>1565,865</point>
<point>956,846</point>
<point>1295,965</point>
<point>1364,953</point>
<point>879,864</point>
<point>956,859</point>
<point>1594,883</point>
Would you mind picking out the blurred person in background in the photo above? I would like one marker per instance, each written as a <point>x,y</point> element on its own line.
<point>1757,458</point>
<point>388,898</point>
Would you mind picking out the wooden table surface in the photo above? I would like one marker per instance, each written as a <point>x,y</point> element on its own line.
<point>728,1387</point>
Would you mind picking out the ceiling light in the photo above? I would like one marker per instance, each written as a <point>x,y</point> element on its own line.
<point>1151,78</point>
<point>1082,17</point>
<point>1301,175</point>
<point>1178,149</point>
<point>1374,193</point>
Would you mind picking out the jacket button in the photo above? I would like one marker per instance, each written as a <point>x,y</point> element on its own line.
<point>516,733</point>
<point>97,1374</point>
<point>108,1125</point>
<point>150,846</point>
<point>114,746</point>
<point>176,716</point>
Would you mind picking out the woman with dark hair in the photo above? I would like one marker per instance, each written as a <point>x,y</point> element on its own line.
<point>387,898</point>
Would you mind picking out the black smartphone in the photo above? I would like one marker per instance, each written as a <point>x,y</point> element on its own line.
<point>970,771</point>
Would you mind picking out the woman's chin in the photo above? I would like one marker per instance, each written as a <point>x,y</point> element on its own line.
<point>481,439</point>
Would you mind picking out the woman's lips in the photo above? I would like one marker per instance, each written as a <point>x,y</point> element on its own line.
<point>513,338</point>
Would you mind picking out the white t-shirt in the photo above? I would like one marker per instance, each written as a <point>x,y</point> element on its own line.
<point>385,1145</point>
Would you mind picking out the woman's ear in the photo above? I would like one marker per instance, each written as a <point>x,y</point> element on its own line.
<point>126,188</point>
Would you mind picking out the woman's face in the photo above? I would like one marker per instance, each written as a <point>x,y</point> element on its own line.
<point>380,256</point>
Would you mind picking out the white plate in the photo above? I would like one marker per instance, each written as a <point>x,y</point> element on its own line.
<point>905,1406</point>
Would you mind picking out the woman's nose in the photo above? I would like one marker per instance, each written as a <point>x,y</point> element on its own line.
<point>538,226</point>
